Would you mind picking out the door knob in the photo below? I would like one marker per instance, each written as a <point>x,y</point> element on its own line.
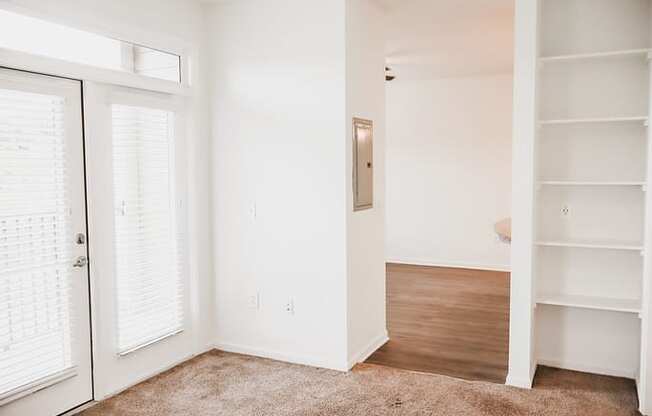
<point>80,262</point>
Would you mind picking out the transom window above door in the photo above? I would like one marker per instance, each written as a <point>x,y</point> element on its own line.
<point>39,37</point>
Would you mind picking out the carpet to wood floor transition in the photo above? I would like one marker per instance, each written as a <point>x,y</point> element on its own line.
<point>219,383</point>
<point>447,321</point>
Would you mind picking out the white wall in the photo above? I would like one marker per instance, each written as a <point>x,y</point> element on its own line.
<point>449,170</point>
<point>278,89</point>
<point>284,226</point>
<point>365,95</point>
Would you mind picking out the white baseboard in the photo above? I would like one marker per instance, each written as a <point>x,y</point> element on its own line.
<point>567,365</point>
<point>101,397</point>
<point>642,400</point>
<point>365,352</point>
<point>455,265</point>
<point>281,356</point>
<point>522,382</point>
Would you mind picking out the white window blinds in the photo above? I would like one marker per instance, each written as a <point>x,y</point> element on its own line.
<point>148,278</point>
<point>35,241</point>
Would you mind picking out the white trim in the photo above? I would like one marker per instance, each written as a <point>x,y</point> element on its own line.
<point>151,99</point>
<point>37,385</point>
<point>99,26</point>
<point>160,41</point>
<point>642,403</point>
<point>92,403</point>
<point>369,349</point>
<point>113,373</point>
<point>568,365</point>
<point>80,408</point>
<point>157,372</point>
<point>57,67</point>
<point>148,376</point>
<point>281,356</point>
<point>523,383</point>
<point>454,265</point>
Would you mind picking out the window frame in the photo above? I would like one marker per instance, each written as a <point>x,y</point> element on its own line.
<point>110,375</point>
<point>25,61</point>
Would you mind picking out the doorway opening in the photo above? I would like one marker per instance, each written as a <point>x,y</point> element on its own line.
<point>448,187</point>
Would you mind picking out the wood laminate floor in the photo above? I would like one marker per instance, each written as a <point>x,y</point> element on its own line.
<point>447,321</point>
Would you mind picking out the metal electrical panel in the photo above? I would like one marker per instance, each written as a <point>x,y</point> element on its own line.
<point>363,167</point>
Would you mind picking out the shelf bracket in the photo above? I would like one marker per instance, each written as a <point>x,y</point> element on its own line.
<point>642,253</point>
<point>644,188</point>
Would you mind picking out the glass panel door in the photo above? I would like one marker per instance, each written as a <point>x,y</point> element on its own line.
<point>45,359</point>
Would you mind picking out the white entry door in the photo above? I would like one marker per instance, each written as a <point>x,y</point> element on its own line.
<point>45,349</point>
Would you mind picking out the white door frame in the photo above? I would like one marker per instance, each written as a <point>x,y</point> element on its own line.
<point>114,373</point>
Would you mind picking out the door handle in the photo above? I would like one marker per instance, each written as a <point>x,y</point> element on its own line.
<point>81,261</point>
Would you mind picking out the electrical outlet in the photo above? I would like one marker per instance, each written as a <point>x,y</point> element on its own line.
<point>289,307</point>
<point>253,301</point>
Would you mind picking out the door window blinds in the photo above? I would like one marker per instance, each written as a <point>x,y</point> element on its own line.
<point>35,241</point>
<point>148,278</point>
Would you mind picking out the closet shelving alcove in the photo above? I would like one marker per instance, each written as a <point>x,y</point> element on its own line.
<point>592,200</point>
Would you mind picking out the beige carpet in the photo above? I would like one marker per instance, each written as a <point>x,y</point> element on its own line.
<point>218,383</point>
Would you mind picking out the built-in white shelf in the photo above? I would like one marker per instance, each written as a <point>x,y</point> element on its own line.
<point>641,119</point>
<point>591,302</point>
<point>591,144</point>
<point>597,55</point>
<point>592,183</point>
<point>590,244</point>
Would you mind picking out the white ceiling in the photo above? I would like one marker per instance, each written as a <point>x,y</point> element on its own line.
<point>429,39</point>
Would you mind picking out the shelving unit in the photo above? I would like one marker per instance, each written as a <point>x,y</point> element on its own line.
<point>590,120</point>
<point>592,183</point>
<point>591,302</point>
<point>591,245</point>
<point>642,53</point>
<point>592,207</point>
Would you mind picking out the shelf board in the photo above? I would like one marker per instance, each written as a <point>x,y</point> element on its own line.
<point>594,120</point>
<point>591,302</point>
<point>591,244</point>
<point>597,55</point>
<point>592,183</point>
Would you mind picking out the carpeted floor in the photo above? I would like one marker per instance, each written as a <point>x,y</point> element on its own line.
<point>219,383</point>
